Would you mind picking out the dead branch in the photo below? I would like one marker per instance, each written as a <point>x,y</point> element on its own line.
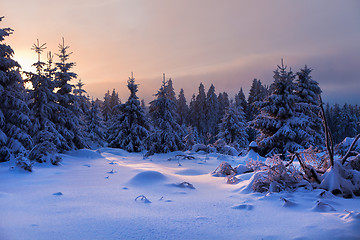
<point>350,149</point>
<point>310,172</point>
<point>328,136</point>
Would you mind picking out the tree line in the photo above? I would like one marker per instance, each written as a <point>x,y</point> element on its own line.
<point>53,116</point>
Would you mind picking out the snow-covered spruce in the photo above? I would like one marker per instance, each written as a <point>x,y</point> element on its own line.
<point>166,133</point>
<point>95,125</point>
<point>279,123</point>
<point>212,111</point>
<point>129,129</point>
<point>233,127</point>
<point>69,123</point>
<point>44,106</point>
<point>308,92</point>
<point>14,112</point>
<point>197,110</point>
<point>182,108</point>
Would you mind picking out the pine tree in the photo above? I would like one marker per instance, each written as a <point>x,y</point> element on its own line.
<point>233,127</point>
<point>181,108</point>
<point>279,123</point>
<point>95,124</point>
<point>241,103</point>
<point>14,112</point>
<point>337,122</point>
<point>114,103</point>
<point>166,135</point>
<point>106,108</point>
<point>257,93</point>
<point>192,114</point>
<point>170,90</point>
<point>212,111</point>
<point>70,124</point>
<point>224,102</point>
<point>130,130</point>
<point>308,92</point>
<point>45,108</point>
<point>349,123</point>
<point>199,111</point>
<point>82,100</point>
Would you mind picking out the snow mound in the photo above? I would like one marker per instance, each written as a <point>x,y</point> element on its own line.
<point>190,172</point>
<point>323,207</point>
<point>85,153</point>
<point>147,178</point>
<point>254,156</point>
<point>114,151</point>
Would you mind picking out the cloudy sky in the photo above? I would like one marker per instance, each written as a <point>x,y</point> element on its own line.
<point>227,43</point>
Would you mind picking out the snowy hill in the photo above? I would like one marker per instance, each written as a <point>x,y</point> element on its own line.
<point>92,196</point>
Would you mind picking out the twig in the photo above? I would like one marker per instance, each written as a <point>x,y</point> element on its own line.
<point>328,137</point>
<point>350,148</point>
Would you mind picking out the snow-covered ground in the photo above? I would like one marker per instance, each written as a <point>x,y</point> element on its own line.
<point>92,196</point>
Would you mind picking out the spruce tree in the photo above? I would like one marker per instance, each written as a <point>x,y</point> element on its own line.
<point>114,103</point>
<point>166,133</point>
<point>224,102</point>
<point>82,101</point>
<point>130,129</point>
<point>44,108</point>
<point>308,92</point>
<point>257,93</point>
<point>233,127</point>
<point>182,108</point>
<point>192,112</point>
<point>241,103</point>
<point>106,108</point>
<point>212,112</point>
<point>170,90</point>
<point>14,112</point>
<point>95,129</point>
<point>199,111</point>
<point>70,124</point>
<point>278,122</point>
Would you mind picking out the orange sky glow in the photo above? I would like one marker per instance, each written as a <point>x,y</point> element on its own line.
<point>227,43</point>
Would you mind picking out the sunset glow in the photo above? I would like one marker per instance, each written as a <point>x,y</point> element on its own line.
<point>227,44</point>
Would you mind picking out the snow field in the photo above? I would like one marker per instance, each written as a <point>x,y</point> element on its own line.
<point>98,191</point>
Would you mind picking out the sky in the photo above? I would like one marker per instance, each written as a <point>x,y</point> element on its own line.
<point>226,43</point>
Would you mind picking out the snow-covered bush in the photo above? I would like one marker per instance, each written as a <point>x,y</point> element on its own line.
<point>223,148</point>
<point>223,170</point>
<point>24,163</point>
<point>274,175</point>
<point>202,147</point>
<point>342,147</point>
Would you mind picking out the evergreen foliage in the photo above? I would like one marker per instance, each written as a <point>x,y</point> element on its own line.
<point>130,129</point>
<point>14,112</point>
<point>212,111</point>
<point>279,123</point>
<point>95,126</point>
<point>233,127</point>
<point>182,108</point>
<point>44,108</point>
<point>166,133</point>
<point>69,123</point>
<point>308,92</point>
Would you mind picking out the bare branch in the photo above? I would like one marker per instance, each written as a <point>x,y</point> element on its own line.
<point>350,149</point>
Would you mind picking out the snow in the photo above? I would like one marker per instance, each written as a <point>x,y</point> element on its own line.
<point>82,200</point>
